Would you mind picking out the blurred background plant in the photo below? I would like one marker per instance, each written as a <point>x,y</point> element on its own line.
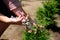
<point>45,16</point>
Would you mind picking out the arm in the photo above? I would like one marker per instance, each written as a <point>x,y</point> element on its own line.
<point>5,19</point>
<point>15,6</point>
<point>9,20</point>
<point>21,11</point>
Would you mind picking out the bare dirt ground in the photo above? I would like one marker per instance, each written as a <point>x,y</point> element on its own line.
<point>15,32</point>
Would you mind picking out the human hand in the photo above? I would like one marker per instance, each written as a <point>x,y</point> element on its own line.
<point>10,20</point>
<point>16,19</point>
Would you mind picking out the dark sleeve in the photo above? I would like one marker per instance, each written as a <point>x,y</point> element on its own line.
<point>12,4</point>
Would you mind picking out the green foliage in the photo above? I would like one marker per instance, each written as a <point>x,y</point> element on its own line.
<point>45,16</point>
<point>39,35</point>
<point>58,6</point>
<point>51,6</point>
<point>58,2</point>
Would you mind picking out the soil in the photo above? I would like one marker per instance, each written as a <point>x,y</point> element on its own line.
<point>15,32</point>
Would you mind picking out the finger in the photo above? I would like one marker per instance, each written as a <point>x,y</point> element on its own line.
<point>20,19</point>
